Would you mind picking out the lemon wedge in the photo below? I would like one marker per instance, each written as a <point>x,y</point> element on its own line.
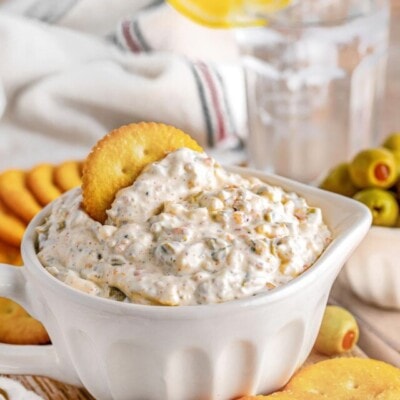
<point>228,13</point>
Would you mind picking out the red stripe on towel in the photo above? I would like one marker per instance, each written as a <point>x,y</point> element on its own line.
<point>221,128</point>
<point>126,31</point>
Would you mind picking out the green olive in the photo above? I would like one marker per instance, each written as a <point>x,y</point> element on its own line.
<point>373,168</point>
<point>396,154</point>
<point>338,333</point>
<point>338,181</point>
<point>383,205</point>
<point>392,142</point>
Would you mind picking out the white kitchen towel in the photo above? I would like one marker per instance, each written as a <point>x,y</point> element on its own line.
<point>72,70</point>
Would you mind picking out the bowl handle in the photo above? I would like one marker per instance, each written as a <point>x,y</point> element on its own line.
<point>24,359</point>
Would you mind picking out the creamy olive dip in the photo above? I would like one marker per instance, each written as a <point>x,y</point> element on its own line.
<point>186,232</point>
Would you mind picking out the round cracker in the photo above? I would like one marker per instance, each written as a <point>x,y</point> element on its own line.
<point>39,181</point>
<point>67,175</point>
<point>285,395</point>
<point>348,378</point>
<point>16,196</point>
<point>118,158</point>
<point>11,227</point>
<point>18,327</point>
<point>10,254</point>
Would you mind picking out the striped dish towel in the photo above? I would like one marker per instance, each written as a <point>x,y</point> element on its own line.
<point>72,70</point>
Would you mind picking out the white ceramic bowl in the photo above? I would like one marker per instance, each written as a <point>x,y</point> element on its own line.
<point>222,351</point>
<point>373,271</point>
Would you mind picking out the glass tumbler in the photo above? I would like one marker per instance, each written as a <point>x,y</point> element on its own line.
<point>315,77</point>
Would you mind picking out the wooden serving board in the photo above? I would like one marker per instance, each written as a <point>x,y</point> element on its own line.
<point>53,390</point>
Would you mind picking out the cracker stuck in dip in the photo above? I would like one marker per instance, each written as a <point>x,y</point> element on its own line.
<point>186,232</point>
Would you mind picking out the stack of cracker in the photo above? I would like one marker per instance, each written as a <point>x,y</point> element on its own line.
<point>22,195</point>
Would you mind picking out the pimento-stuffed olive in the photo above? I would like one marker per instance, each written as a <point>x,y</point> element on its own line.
<point>373,168</point>
<point>338,180</point>
<point>392,142</point>
<point>383,205</point>
<point>338,333</point>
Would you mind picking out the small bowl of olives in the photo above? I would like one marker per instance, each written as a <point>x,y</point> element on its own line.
<point>373,178</point>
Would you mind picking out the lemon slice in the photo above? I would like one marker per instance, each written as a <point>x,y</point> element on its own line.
<point>228,13</point>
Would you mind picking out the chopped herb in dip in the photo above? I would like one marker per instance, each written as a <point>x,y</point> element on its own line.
<point>186,232</point>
